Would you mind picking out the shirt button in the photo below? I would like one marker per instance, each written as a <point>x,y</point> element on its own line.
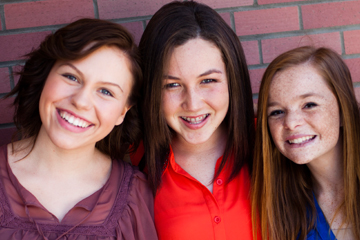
<point>219,181</point>
<point>217,219</point>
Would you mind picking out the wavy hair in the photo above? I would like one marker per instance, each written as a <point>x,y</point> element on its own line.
<point>71,43</point>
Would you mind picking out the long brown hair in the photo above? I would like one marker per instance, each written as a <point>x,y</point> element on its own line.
<point>282,191</point>
<point>71,43</point>
<point>171,26</point>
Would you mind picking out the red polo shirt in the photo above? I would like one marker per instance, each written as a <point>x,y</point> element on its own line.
<point>186,209</point>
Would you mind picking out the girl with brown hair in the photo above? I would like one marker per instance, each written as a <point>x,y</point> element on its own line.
<point>306,178</point>
<point>73,110</point>
<point>199,124</point>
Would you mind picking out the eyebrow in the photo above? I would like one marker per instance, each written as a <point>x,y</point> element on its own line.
<point>303,96</point>
<point>82,75</point>
<point>201,75</point>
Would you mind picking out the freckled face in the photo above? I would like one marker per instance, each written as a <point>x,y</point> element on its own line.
<point>195,92</point>
<point>303,115</point>
<point>83,100</point>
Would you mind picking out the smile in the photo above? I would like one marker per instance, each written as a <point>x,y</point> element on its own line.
<point>301,140</point>
<point>196,120</point>
<point>77,122</point>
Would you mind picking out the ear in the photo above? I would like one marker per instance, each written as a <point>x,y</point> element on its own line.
<point>122,116</point>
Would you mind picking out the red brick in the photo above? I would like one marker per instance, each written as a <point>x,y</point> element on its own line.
<point>135,28</point>
<point>226,17</point>
<point>49,12</point>
<point>271,48</point>
<point>266,21</point>
<point>6,110</point>
<point>6,135</point>
<point>353,65</point>
<point>110,9</point>
<point>226,3</point>
<point>260,2</point>
<point>331,14</point>
<point>255,78</point>
<point>4,80</point>
<point>13,47</point>
<point>251,50</point>
<point>351,42</point>
<point>357,94</point>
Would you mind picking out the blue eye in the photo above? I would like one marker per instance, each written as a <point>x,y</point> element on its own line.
<point>276,112</point>
<point>208,80</point>
<point>70,77</point>
<point>105,92</point>
<point>310,105</point>
<point>172,85</point>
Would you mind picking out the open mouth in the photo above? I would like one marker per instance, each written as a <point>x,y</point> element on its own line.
<point>75,121</point>
<point>301,140</point>
<point>196,120</point>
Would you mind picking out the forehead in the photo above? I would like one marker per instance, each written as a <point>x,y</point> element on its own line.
<point>296,81</point>
<point>195,55</point>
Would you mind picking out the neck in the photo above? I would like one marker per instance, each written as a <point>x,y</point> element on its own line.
<point>213,146</point>
<point>49,157</point>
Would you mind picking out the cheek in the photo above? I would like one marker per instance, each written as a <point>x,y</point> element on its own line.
<point>169,103</point>
<point>275,132</point>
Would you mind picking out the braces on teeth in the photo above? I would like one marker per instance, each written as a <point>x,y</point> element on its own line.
<point>195,120</point>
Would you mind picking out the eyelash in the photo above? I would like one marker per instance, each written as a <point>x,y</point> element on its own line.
<point>108,93</point>
<point>208,80</point>
<point>171,85</point>
<point>275,113</point>
<point>310,105</point>
<point>71,77</point>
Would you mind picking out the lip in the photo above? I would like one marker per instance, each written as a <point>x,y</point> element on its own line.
<point>70,127</point>
<point>193,125</point>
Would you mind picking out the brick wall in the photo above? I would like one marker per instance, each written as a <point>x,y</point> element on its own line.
<point>266,28</point>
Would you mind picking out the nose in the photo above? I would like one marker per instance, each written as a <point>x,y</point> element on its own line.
<point>293,120</point>
<point>192,100</point>
<point>81,98</point>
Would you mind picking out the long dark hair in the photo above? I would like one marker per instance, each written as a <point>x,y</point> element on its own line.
<point>71,43</point>
<point>282,191</point>
<point>173,25</point>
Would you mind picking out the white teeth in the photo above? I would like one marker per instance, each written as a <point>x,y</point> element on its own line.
<point>301,140</point>
<point>195,120</point>
<point>73,120</point>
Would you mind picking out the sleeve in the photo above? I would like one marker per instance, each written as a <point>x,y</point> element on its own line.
<point>137,220</point>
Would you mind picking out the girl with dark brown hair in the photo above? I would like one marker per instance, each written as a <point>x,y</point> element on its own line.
<point>75,113</point>
<point>199,124</point>
<point>306,177</point>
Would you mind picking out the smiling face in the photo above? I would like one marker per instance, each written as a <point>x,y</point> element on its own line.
<point>83,100</point>
<point>303,115</point>
<point>195,92</point>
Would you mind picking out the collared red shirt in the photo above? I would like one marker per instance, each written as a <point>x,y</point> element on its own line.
<point>186,209</point>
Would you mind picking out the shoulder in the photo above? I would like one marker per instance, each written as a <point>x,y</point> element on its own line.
<point>137,219</point>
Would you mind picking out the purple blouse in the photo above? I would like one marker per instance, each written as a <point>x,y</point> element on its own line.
<point>121,209</point>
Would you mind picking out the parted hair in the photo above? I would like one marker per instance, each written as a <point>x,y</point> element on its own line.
<point>73,42</point>
<point>171,26</point>
<point>282,191</point>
